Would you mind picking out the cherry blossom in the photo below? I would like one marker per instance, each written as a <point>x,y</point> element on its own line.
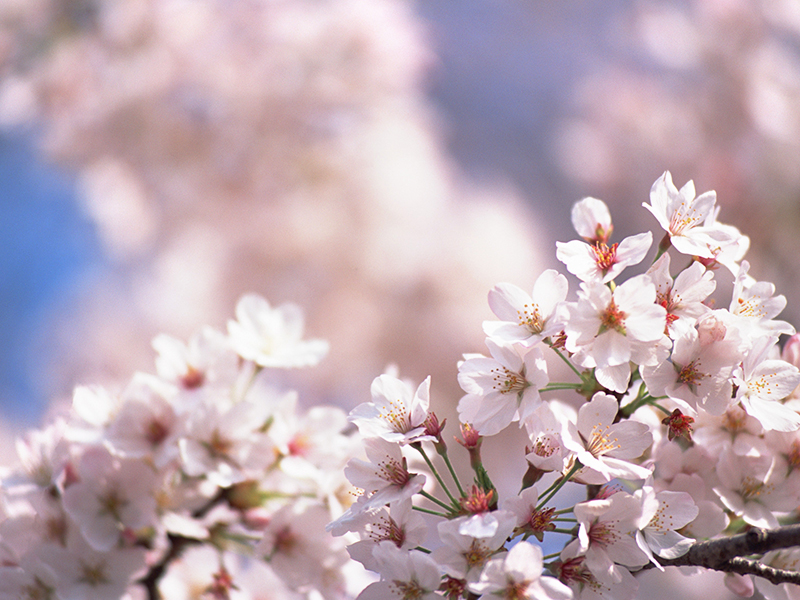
<point>501,389</point>
<point>763,383</point>
<point>697,376</point>
<point>682,298</point>
<point>524,318</point>
<point>397,413</point>
<point>385,478</point>
<point>592,220</point>
<point>404,575</point>
<point>463,556</point>
<point>518,575</point>
<point>111,496</point>
<point>601,262</point>
<point>606,536</point>
<point>683,216</point>
<point>601,445</point>
<point>270,337</point>
<point>663,513</point>
<point>608,329</point>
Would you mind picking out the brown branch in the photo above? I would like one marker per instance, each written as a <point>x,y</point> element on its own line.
<point>177,544</point>
<point>727,554</point>
<point>746,566</point>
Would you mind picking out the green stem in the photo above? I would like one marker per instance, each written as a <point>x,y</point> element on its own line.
<point>568,361</point>
<point>659,407</point>
<point>565,519</point>
<point>559,484</point>
<point>453,473</point>
<point>551,387</point>
<point>436,500</point>
<point>566,531</point>
<point>418,446</point>
<point>553,555</point>
<point>564,510</point>
<point>421,549</point>
<point>430,512</point>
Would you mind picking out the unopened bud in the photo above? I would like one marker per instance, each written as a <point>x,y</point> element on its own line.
<point>710,329</point>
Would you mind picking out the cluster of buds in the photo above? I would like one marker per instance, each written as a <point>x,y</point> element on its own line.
<point>202,480</point>
<point>679,420</point>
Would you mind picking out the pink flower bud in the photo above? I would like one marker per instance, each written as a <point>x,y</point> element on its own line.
<point>710,329</point>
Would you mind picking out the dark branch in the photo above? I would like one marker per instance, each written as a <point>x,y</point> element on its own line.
<point>177,544</point>
<point>746,566</point>
<point>727,554</point>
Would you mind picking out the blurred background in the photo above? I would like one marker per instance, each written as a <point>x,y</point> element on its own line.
<point>382,163</point>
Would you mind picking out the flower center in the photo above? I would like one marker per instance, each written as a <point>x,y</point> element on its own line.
<point>111,503</point>
<point>682,219</point>
<point>612,319</point>
<point>752,488</point>
<point>605,256</point>
<point>541,521</point>
<point>530,318</point>
<point>408,590</point>
<point>751,307</point>
<point>193,378</point>
<point>601,442</point>
<point>394,472</point>
<point>394,412</point>
<point>691,375</point>
<point>156,432</point>
<point>477,554</point>
<point>603,534</point>
<point>93,575</point>
<point>386,529</point>
<point>508,382</point>
<point>544,447</point>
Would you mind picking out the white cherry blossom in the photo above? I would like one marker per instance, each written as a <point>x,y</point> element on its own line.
<point>763,383</point>
<point>663,513</point>
<point>600,262</point>
<point>404,575</point>
<point>602,446</point>
<point>463,556</point>
<point>524,318</point>
<point>397,412</point>
<point>682,298</point>
<point>518,575</point>
<point>385,478</point>
<point>501,389</point>
<point>683,216</point>
<point>608,329</point>
<point>592,220</point>
<point>112,495</point>
<point>271,337</point>
<point>606,536</point>
<point>697,376</point>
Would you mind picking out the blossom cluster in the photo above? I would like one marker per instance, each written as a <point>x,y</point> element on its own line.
<point>203,480</point>
<point>680,423</point>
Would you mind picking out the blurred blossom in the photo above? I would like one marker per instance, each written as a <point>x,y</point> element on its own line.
<point>285,148</point>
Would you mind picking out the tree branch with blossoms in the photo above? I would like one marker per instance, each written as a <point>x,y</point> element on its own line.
<point>728,554</point>
<point>682,427</point>
<point>679,431</point>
